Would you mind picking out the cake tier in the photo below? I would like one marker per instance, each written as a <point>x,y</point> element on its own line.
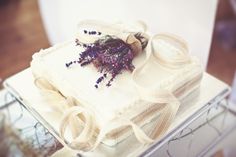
<point>122,98</point>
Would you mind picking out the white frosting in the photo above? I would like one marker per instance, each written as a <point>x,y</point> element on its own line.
<point>108,102</point>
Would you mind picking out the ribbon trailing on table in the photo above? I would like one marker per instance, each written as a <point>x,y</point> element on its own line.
<point>80,119</point>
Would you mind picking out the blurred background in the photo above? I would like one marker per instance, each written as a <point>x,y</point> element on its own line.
<point>26,26</point>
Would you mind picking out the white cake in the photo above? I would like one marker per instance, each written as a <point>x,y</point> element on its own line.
<point>123,99</point>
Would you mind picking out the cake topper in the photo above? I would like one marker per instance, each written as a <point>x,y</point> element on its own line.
<point>111,54</point>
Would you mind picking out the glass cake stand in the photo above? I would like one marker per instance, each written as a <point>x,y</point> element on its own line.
<point>205,110</point>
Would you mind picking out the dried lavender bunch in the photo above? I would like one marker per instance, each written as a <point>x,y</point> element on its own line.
<point>110,55</point>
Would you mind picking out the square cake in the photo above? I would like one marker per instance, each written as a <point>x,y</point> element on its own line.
<point>101,104</point>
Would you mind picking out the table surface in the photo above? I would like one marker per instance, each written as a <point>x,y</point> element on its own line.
<point>211,90</point>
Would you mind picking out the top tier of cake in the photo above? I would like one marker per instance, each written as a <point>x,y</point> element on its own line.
<point>109,102</point>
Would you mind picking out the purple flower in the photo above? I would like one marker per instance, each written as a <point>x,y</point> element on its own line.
<point>109,54</point>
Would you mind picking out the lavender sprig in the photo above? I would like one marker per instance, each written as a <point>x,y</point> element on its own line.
<point>109,54</point>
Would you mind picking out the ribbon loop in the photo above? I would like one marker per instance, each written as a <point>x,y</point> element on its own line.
<point>170,50</point>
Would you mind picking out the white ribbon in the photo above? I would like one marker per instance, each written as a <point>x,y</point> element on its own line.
<point>77,115</point>
<point>162,96</point>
